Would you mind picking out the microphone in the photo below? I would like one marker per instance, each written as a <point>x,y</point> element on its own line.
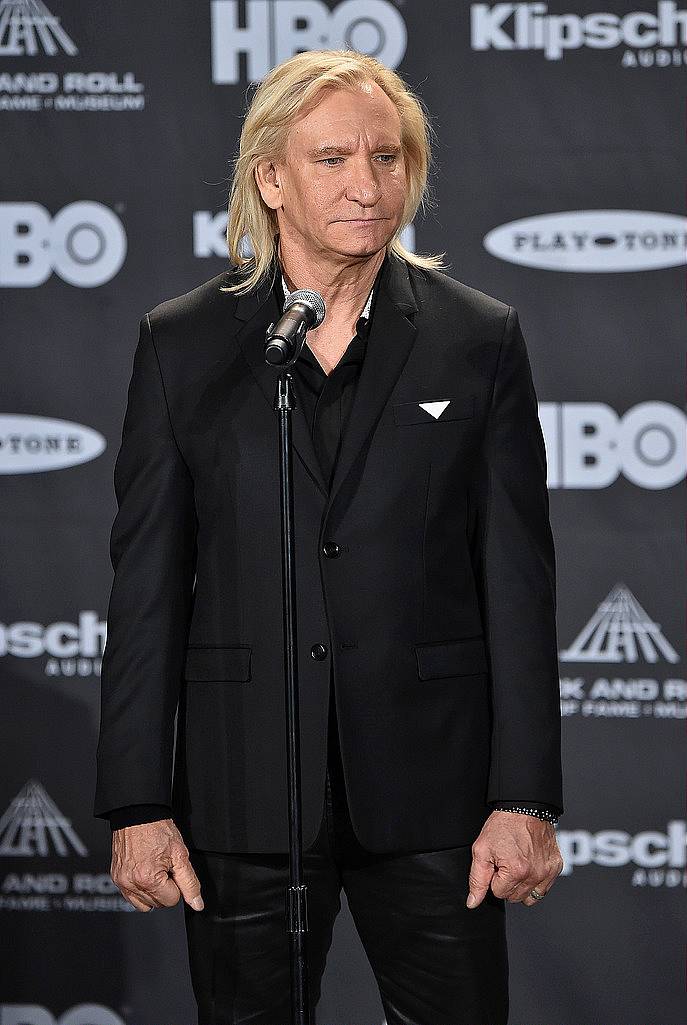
<point>284,340</point>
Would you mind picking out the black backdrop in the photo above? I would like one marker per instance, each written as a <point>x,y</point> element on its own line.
<point>559,182</point>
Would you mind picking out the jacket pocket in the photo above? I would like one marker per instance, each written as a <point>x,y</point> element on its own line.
<point>463,657</point>
<point>207,663</point>
<point>461,407</point>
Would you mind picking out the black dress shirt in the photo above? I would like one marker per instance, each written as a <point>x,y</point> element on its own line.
<point>326,403</point>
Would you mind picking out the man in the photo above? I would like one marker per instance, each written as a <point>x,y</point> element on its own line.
<point>430,722</point>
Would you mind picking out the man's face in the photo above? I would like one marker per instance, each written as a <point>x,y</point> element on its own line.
<point>342,187</point>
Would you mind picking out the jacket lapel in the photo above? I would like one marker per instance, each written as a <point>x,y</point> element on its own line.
<point>389,342</point>
<point>255,312</point>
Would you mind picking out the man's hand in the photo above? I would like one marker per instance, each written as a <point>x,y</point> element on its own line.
<point>513,854</point>
<point>151,866</point>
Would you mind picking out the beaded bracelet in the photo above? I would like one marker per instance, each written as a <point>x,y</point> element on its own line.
<point>540,813</point>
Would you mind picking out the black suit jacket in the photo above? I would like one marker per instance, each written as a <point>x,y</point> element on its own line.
<point>437,615</point>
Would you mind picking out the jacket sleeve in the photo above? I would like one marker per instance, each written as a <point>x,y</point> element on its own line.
<point>153,551</point>
<point>529,805</point>
<point>515,571</point>
<point>137,814</point>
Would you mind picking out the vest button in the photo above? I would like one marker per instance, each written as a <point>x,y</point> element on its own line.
<point>319,652</point>
<point>331,549</point>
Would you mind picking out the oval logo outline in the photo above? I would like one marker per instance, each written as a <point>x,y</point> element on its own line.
<point>599,228</point>
<point>78,443</point>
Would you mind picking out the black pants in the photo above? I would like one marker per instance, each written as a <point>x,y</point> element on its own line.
<point>436,962</point>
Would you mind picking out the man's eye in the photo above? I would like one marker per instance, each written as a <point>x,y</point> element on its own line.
<point>387,158</point>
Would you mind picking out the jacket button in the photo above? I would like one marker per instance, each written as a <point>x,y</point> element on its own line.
<point>331,549</point>
<point>319,652</point>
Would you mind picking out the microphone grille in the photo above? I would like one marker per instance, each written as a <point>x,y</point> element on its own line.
<point>312,299</point>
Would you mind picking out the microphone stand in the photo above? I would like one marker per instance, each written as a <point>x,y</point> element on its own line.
<point>296,896</point>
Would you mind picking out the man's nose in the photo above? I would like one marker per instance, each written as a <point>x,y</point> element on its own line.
<point>362,185</point>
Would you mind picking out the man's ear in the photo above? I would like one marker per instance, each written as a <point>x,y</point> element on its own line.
<point>267,180</point>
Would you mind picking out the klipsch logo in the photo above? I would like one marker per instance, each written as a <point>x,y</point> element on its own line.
<point>74,649</point>
<point>271,30</point>
<point>650,39</point>
<point>619,635</point>
<point>29,30</point>
<point>33,826</point>
<point>33,444</point>
<point>592,241</point>
<point>658,858</point>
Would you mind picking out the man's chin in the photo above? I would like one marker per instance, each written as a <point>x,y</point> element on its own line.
<point>361,246</point>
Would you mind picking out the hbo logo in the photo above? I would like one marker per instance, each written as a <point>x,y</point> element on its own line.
<point>84,244</point>
<point>273,30</point>
<point>83,1014</point>
<point>589,446</point>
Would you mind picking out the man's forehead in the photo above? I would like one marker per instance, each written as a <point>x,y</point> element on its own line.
<point>340,116</point>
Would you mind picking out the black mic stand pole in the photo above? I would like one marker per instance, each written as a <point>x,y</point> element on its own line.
<point>296,896</point>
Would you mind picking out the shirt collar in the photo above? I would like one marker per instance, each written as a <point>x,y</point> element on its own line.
<point>366,309</point>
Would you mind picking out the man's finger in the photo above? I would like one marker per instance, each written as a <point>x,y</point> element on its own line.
<point>129,889</point>
<point>525,886</point>
<point>542,887</point>
<point>512,876</point>
<point>187,881</point>
<point>481,872</point>
<point>521,891</point>
<point>528,900</point>
<point>137,900</point>
<point>505,885</point>
<point>166,893</point>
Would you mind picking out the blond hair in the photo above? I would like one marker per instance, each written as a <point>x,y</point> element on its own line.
<point>276,104</point>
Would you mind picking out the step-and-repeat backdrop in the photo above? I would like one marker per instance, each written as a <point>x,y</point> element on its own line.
<point>559,182</point>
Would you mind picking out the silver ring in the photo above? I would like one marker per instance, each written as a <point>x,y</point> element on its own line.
<point>536,894</point>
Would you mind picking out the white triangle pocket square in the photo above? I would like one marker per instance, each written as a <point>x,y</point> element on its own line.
<point>434,409</point>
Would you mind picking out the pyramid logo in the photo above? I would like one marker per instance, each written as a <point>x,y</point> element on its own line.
<point>435,409</point>
<point>32,822</point>
<point>620,631</point>
<point>27,27</point>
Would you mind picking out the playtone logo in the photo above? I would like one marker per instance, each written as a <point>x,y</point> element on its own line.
<point>592,241</point>
<point>614,848</point>
<point>32,444</point>
<point>528,26</point>
<point>273,30</point>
